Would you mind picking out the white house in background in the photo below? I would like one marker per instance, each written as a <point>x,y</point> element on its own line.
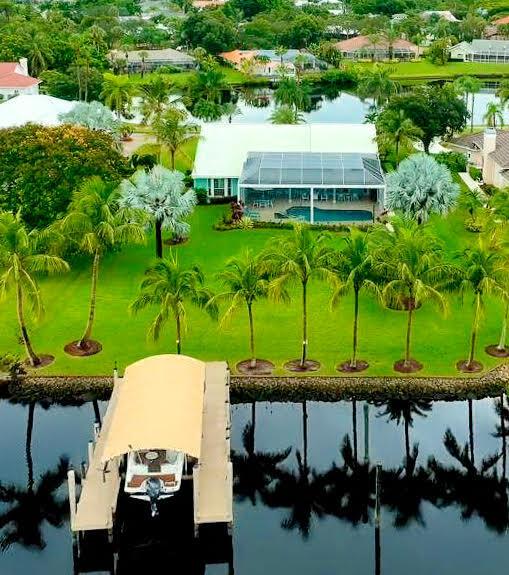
<point>494,51</point>
<point>14,80</point>
<point>488,150</point>
<point>315,172</point>
<point>34,109</point>
<point>441,14</point>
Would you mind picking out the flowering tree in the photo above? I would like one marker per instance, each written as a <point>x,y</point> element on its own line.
<point>421,187</point>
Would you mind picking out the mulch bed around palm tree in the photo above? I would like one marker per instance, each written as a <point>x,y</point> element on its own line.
<point>175,241</point>
<point>262,367</point>
<point>45,359</point>
<point>347,367</point>
<point>411,366</point>
<point>495,351</point>
<point>92,347</point>
<point>309,365</point>
<point>466,367</point>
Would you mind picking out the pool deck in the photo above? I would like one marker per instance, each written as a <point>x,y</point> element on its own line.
<point>268,214</point>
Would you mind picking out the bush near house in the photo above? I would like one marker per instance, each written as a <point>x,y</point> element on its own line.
<point>475,173</point>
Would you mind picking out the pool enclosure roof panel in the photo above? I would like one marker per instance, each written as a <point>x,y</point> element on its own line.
<point>305,169</point>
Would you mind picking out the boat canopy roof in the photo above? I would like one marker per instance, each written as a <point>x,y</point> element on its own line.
<point>159,405</point>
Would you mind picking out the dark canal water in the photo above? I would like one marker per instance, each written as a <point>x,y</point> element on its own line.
<point>303,505</point>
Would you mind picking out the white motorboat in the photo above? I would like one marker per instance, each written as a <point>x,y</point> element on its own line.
<point>154,474</point>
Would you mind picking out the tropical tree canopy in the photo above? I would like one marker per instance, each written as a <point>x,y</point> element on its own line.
<point>421,187</point>
<point>92,115</point>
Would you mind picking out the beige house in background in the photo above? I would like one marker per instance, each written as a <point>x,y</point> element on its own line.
<point>488,150</point>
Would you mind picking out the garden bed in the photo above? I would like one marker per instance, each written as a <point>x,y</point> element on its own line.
<point>77,390</point>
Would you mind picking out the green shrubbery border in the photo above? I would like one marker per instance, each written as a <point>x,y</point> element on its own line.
<point>77,390</point>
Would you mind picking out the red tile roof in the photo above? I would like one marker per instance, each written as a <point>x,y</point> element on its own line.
<point>11,78</point>
<point>359,42</point>
<point>502,21</point>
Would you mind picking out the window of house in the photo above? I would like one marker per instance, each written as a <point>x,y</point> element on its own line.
<point>219,187</point>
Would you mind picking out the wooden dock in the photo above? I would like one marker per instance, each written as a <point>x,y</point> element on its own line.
<point>212,475</point>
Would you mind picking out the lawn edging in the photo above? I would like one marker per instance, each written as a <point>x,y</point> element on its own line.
<point>67,390</point>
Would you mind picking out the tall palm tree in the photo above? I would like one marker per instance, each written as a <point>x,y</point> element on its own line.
<point>156,95</point>
<point>246,281</point>
<point>175,132</point>
<point>22,258</point>
<point>117,93</point>
<point>484,272</point>
<point>169,286</point>
<point>395,129</point>
<point>494,115</point>
<point>503,92</point>
<point>378,84</point>
<point>162,195</point>
<point>409,260</point>
<point>96,223</point>
<point>297,259</point>
<point>469,85</point>
<point>280,51</point>
<point>354,268</point>
<point>290,93</point>
<point>231,109</point>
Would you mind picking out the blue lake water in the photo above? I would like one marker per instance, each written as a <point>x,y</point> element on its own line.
<point>443,516</point>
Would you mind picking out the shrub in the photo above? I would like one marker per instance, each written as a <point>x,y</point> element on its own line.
<point>455,161</point>
<point>202,196</point>
<point>475,173</point>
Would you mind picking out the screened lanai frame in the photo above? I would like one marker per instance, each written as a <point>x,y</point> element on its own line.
<point>310,177</point>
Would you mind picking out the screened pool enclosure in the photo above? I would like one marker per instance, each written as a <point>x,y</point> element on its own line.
<point>312,186</point>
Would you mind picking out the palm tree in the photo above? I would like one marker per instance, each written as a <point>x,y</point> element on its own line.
<point>246,281</point>
<point>143,56</point>
<point>355,272</point>
<point>156,94</point>
<point>503,92</point>
<point>409,259</point>
<point>394,128</point>
<point>469,85</point>
<point>231,109</point>
<point>96,223</point>
<point>169,286</point>
<point>378,84</point>
<point>175,132</point>
<point>290,93</point>
<point>286,115</point>
<point>30,508</point>
<point>21,259</point>
<point>280,51</point>
<point>297,259</point>
<point>161,194</point>
<point>472,200</point>
<point>208,85</point>
<point>421,187</point>
<point>494,115</point>
<point>117,93</point>
<point>484,272</point>
<point>403,411</point>
<point>254,470</point>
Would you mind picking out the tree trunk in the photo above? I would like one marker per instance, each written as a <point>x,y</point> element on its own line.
<point>407,441</point>
<point>172,159</point>
<point>177,320</point>
<point>83,343</point>
<point>305,434</point>
<point>473,336</point>
<point>397,151</point>
<point>33,358</point>
<point>304,324</point>
<point>503,331</point>
<point>472,113</point>
<point>426,144</point>
<point>353,363</point>
<point>471,430</point>
<point>354,428</point>
<point>251,335</point>
<point>28,447</point>
<point>408,331</point>
<point>159,238</point>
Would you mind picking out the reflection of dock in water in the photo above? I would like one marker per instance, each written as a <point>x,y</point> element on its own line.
<point>169,402</point>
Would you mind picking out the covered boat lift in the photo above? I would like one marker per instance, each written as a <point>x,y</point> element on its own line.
<point>162,402</point>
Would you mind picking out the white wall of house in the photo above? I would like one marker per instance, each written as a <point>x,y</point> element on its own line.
<point>7,93</point>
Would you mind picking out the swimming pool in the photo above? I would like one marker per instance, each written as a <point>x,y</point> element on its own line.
<point>322,215</point>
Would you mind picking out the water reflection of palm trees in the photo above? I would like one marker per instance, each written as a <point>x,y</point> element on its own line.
<point>346,490</point>
<point>29,508</point>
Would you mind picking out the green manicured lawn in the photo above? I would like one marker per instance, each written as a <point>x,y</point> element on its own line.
<point>438,341</point>
<point>423,70</point>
